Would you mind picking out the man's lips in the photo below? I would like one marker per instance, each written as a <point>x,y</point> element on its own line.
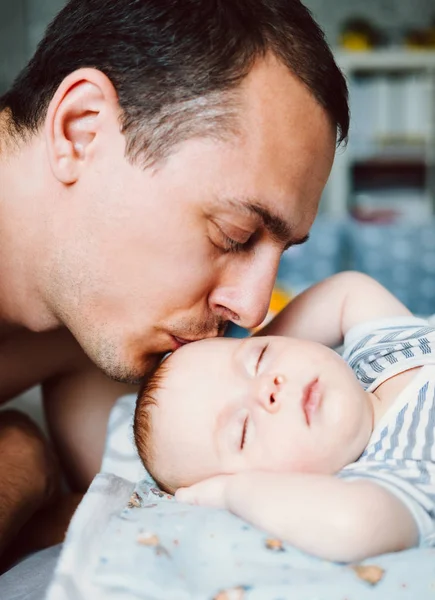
<point>178,341</point>
<point>311,399</point>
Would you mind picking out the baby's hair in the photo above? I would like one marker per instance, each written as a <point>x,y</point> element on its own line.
<point>142,425</point>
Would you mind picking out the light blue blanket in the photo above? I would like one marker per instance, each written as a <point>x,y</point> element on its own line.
<point>158,549</point>
<point>129,542</point>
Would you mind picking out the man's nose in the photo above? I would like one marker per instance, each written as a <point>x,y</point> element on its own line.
<point>243,295</point>
<point>267,391</point>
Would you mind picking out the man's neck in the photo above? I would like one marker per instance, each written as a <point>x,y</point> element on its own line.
<point>22,180</point>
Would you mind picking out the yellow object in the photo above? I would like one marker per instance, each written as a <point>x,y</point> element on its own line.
<point>279,300</point>
<point>355,42</point>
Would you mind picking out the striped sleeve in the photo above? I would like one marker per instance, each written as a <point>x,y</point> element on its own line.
<point>400,455</point>
<point>411,484</point>
<point>381,349</point>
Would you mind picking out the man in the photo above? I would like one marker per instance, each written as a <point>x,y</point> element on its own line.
<point>156,159</point>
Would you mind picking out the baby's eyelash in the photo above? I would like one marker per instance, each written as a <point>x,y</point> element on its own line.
<point>260,358</point>
<point>245,427</point>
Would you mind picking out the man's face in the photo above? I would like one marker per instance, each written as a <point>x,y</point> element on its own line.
<point>262,403</point>
<point>146,258</point>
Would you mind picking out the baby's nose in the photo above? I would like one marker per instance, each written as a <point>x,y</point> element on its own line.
<point>268,392</point>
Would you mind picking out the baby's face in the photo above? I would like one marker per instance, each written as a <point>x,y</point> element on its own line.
<point>262,403</point>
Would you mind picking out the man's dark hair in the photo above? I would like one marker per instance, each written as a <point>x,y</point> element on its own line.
<point>174,62</point>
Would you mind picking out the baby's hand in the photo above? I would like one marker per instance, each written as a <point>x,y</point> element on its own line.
<point>210,492</point>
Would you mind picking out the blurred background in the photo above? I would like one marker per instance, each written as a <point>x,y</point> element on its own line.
<point>377,213</point>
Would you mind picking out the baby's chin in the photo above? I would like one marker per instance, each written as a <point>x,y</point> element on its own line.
<point>336,463</point>
<point>326,464</point>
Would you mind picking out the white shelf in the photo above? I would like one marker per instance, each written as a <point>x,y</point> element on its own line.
<point>382,60</point>
<point>376,63</point>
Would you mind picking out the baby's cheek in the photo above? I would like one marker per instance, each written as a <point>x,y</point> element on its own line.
<point>288,456</point>
<point>302,462</point>
<point>305,456</point>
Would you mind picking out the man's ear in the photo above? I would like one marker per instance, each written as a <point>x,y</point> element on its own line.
<point>84,104</point>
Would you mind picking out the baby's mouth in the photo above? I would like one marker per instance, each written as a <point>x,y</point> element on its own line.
<point>311,398</point>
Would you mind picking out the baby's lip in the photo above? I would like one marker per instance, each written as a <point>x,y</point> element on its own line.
<point>311,398</point>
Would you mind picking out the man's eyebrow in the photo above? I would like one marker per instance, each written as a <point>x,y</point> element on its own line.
<point>278,228</point>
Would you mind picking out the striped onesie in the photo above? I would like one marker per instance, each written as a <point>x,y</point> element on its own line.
<point>400,455</point>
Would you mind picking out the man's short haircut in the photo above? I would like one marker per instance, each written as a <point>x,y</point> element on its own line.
<point>142,424</point>
<point>174,64</point>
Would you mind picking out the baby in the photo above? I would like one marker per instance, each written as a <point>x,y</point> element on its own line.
<point>334,454</point>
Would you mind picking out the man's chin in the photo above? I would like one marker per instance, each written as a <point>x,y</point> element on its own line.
<point>129,371</point>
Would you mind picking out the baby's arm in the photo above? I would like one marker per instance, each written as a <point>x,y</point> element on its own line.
<point>325,312</point>
<point>320,514</point>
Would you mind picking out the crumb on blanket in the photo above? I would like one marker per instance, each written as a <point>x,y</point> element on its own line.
<point>148,539</point>
<point>371,574</point>
<point>236,593</point>
<point>274,544</point>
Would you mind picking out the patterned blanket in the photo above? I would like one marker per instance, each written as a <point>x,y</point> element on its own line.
<point>131,541</point>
